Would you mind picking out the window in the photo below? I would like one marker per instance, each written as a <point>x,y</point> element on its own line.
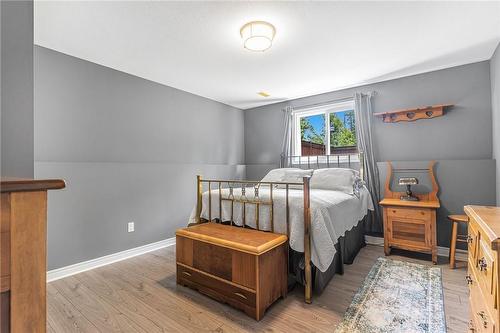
<point>325,130</point>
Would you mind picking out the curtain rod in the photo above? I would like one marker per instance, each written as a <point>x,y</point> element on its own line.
<point>337,100</point>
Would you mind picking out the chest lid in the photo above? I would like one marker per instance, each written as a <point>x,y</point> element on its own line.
<point>237,238</point>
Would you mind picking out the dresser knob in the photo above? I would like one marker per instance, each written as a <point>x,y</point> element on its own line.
<point>484,318</point>
<point>471,326</point>
<point>468,279</point>
<point>482,264</point>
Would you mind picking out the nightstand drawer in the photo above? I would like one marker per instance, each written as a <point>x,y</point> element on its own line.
<point>409,213</point>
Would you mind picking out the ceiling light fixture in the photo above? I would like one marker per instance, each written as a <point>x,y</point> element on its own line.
<point>257,35</point>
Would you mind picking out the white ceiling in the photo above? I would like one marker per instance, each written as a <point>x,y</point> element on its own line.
<point>319,46</point>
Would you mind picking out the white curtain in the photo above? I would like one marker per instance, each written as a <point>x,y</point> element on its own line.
<point>287,145</point>
<point>364,116</point>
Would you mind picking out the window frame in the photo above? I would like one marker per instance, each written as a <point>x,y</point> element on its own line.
<point>313,111</point>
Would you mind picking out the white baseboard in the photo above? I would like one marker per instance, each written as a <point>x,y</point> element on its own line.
<point>460,254</point>
<point>62,272</point>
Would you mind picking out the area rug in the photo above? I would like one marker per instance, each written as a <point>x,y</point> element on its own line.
<point>397,296</point>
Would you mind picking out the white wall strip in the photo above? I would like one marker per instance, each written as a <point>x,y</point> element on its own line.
<point>62,272</point>
<point>460,254</point>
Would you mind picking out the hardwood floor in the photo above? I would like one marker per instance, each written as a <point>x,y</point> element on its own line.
<point>140,295</point>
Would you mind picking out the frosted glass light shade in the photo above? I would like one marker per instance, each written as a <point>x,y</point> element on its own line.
<point>257,35</point>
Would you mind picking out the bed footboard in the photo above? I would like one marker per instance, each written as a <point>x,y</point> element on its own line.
<point>257,201</point>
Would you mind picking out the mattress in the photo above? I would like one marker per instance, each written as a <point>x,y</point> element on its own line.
<point>332,214</point>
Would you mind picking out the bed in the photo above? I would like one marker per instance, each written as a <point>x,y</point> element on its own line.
<point>321,221</point>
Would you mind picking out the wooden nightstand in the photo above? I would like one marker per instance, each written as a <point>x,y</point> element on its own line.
<point>411,225</point>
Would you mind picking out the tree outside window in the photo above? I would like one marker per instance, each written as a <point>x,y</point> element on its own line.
<point>342,133</point>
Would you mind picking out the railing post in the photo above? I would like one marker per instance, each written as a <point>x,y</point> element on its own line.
<point>198,198</point>
<point>307,240</point>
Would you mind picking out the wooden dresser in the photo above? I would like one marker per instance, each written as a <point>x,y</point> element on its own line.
<point>244,268</point>
<point>483,273</point>
<point>23,254</point>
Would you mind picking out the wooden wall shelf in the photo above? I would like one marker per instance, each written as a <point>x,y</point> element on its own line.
<point>423,112</point>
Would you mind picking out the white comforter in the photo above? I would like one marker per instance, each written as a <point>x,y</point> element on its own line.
<point>332,214</point>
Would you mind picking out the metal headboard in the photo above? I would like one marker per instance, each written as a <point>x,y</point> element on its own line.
<point>348,160</point>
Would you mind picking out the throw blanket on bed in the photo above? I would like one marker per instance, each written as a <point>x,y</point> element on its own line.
<point>332,214</point>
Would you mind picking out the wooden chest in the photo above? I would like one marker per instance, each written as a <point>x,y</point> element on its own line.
<point>410,225</point>
<point>241,267</point>
<point>483,273</point>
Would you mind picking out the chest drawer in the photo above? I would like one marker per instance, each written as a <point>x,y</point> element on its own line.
<point>219,289</point>
<point>409,213</point>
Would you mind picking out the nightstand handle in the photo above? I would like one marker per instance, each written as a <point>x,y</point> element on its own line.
<point>469,239</point>
<point>186,273</point>
<point>468,279</point>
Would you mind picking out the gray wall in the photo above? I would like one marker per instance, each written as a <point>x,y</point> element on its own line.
<point>495,104</point>
<point>461,141</point>
<point>16,88</point>
<point>129,150</point>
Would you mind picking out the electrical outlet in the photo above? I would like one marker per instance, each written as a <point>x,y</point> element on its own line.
<point>131,227</point>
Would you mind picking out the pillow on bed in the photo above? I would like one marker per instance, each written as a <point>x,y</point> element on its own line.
<point>334,179</point>
<point>296,175</point>
<point>287,175</point>
<point>276,175</point>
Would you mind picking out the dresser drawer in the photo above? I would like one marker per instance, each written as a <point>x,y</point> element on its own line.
<point>409,213</point>
<point>485,268</point>
<point>473,239</point>
<point>219,289</point>
<point>481,316</point>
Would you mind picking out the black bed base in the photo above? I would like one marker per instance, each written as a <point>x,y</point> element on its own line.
<point>347,248</point>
